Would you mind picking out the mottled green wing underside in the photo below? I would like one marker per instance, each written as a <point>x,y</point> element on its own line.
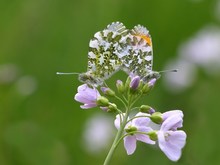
<point>139,61</point>
<point>116,48</point>
<point>105,51</point>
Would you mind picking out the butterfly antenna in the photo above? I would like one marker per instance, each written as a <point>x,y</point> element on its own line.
<point>62,73</point>
<point>171,70</point>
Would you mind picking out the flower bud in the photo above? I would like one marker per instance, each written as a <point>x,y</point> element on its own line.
<point>152,82</point>
<point>141,84</point>
<point>108,91</point>
<point>134,82</point>
<point>104,109</point>
<point>131,129</point>
<point>145,89</point>
<point>120,86</point>
<point>156,117</point>
<point>102,101</point>
<point>151,111</point>
<point>112,107</point>
<point>152,135</point>
<point>127,83</point>
<point>148,86</point>
<point>145,108</point>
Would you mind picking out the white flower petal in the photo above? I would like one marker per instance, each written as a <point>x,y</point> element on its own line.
<point>118,120</point>
<point>130,144</point>
<point>172,123</point>
<point>141,121</point>
<point>171,113</point>
<point>177,138</point>
<point>173,144</point>
<point>144,138</point>
<point>87,106</point>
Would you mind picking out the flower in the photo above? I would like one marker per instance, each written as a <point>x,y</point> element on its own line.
<point>146,109</point>
<point>88,96</point>
<point>135,82</point>
<point>133,129</point>
<point>120,86</point>
<point>107,91</point>
<point>152,82</point>
<point>170,140</point>
<point>171,113</point>
<point>149,85</point>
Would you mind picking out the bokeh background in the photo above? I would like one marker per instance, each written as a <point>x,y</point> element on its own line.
<point>41,124</point>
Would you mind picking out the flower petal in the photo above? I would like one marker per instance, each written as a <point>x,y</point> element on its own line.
<point>130,144</point>
<point>118,120</point>
<point>141,121</point>
<point>82,88</point>
<point>87,106</point>
<point>171,113</point>
<point>87,96</point>
<point>144,138</point>
<point>154,126</point>
<point>172,123</point>
<point>135,82</point>
<point>152,82</point>
<point>78,97</point>
<point>88,93</point>
<point>172,144</point>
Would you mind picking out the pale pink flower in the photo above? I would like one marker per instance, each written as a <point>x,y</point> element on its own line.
<point>88,96</point>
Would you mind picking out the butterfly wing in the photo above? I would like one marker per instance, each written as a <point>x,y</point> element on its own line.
<point>140,59</point>
<point>104,51</point>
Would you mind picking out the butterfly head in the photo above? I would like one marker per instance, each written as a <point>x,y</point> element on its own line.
<point>87,78</point>
<point>151,75</point>
<point>156,75</point>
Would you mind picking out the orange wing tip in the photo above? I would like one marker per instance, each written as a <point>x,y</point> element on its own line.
<point>142,32</point>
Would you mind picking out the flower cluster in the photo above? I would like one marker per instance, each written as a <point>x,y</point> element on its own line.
<point>156,128</point>
<point>148,125</point>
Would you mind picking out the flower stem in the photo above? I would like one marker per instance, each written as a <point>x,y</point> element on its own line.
<point>121,101</point>
<point>117,138</point>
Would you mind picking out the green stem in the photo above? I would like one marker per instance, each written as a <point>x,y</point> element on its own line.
<point>135,108</point>
<point>136,99</point>
<point>117,137</point>
<point>121,101</point>
<point>136,117</point>
<point>128,134</point>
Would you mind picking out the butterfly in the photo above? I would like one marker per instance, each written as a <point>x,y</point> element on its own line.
<point>139,61</point>
<point>106,49</point>
<point>117,48</point>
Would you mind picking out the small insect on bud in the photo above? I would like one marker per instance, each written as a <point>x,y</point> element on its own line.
<point>157,117</point>
<point>102,101</point>
<point>108,91</point>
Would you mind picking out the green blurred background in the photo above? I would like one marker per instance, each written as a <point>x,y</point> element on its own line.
<point>41,124</point>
